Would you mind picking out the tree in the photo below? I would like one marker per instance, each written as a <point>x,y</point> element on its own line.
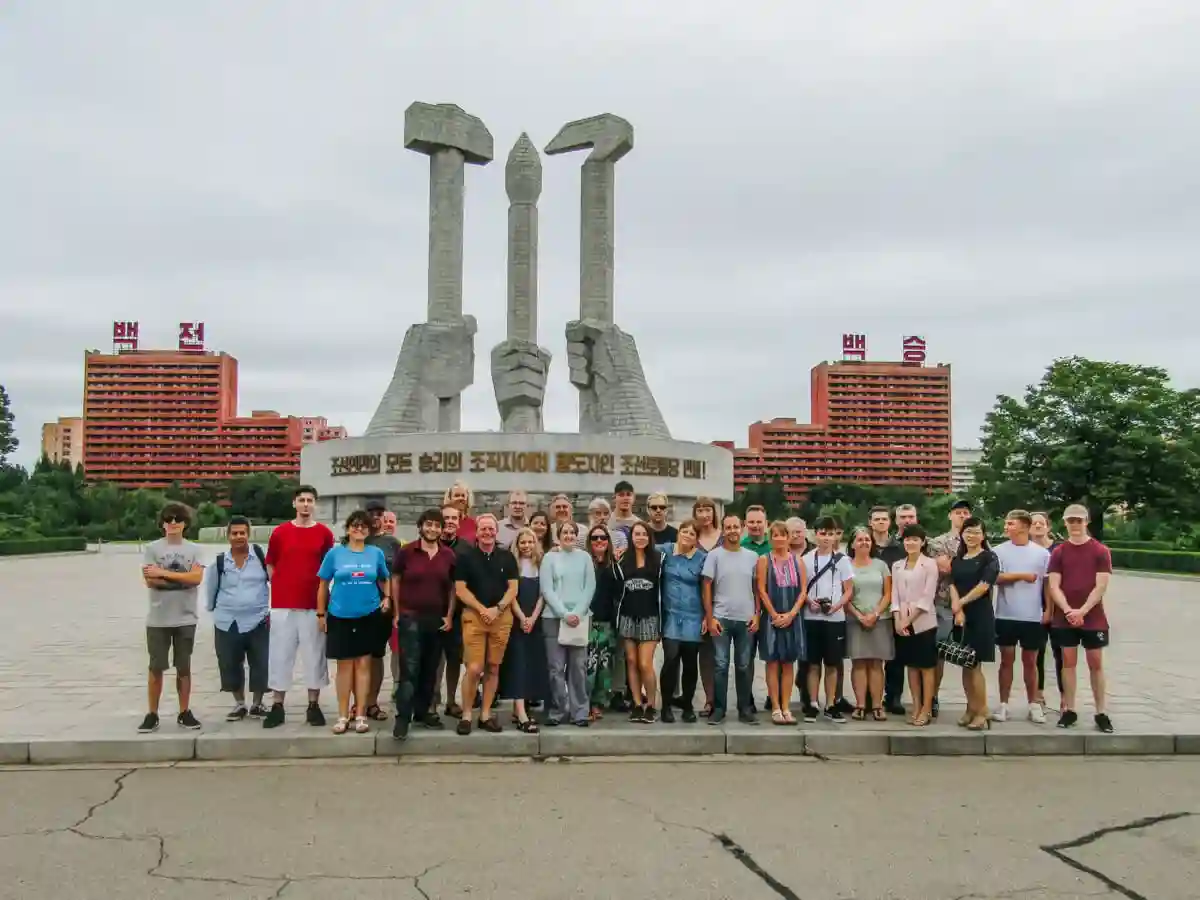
<point>8,439</point>
<point>1097,433</point>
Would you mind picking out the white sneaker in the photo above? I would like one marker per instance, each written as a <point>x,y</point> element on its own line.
<point>1001,713</point>
<point>1037,714</point>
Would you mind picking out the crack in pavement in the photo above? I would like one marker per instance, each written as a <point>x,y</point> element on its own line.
<point>323,876</point>
<point>1056,850</point>
<point>728,844</point>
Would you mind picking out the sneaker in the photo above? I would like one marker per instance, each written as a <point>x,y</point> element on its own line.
<point>1104,723</point>
<point>313,715</point>
<point>1001,713</point>
<point>1068,718</point>
<point>186,720</point>
<point>717,717</point>
<point>834,715</point>
<point>1037,714</point>
<point>649,715</point>
<point>844,706</point>
<point>236,714</point>
<point>432,721</point>
<point>668,714</point>
<point>400,728</point>
<point>149,724</point>
<point>257,711</point>
<point>637,715</point>
<point>689,716</point>
<point>748,718</point>
<point>275,717</point>
<point>811,713</point>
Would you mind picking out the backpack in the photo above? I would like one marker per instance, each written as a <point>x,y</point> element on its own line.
<point>258,551</point>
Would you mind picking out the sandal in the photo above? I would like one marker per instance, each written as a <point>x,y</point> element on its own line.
<point>374,712</point>
<point>788,718</point>
<point>919,721</point>
<point>360,725</point>
<point>596,714</point>
<point>965,720</point>
<point>859,714</point>
<point>777,716</point>
<point>878,714</point>
<point>340,726</point>
<point>983,724</point>
<point>528,726</point>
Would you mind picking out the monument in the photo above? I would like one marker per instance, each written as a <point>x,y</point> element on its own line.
<point>413,448</point>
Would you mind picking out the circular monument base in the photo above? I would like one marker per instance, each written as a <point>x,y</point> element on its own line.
<point>411,472</point>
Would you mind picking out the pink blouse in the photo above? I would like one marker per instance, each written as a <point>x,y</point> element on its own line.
<point>916,588</point>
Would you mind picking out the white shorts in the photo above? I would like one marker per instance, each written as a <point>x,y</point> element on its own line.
<point>292,630</point>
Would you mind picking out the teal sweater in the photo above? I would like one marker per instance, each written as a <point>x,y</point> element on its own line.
<point>568,583</point>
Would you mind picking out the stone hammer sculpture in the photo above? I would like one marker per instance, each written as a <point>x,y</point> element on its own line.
<point>437,358</point>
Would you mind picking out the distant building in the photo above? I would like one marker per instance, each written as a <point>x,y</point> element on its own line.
<point>317,428</point>
<point>884,423</point>
<point>62,441</point>
<point>962,465</point>
<point>153,417</point>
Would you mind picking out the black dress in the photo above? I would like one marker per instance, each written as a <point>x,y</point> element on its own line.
<point>525,674</point>
<point>979,631</point>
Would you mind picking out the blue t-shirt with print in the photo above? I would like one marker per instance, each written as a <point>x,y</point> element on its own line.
<point>352,577</point>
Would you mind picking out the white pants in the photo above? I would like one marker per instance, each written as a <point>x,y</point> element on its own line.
<point>292,630</point>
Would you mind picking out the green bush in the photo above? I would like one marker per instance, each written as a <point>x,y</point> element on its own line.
<point>1140,545</point>
<point>1156,560</point>
<point>42,545</point>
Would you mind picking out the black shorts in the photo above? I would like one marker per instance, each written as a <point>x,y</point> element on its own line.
<point>1030,635</point>
<point>353,638</point>
<point>825,642</point>
<point>1075,637</point>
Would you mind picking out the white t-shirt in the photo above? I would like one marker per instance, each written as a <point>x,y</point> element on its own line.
<point>1020,600</point>
<point>829,586</point>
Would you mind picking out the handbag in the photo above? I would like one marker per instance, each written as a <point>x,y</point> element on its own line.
<point>574,636</point>
<point>956,652</point>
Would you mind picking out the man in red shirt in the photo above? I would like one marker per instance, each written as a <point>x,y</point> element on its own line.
<point>294,555</point>
<point>1080,569</point>
<point>423,587</point>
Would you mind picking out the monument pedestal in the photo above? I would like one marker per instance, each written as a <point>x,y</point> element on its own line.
<point>411,472</point>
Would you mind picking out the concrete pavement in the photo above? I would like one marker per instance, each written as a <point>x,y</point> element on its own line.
<point>732,828</point>
<point>72,689</point>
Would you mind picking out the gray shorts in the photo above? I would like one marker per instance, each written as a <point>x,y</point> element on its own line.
<point>945,622</point>
<point>171,644</point>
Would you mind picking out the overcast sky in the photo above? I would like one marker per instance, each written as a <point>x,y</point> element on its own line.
<point>1013,181</point>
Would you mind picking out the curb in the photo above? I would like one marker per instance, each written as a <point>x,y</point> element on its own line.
<point>569,742</point>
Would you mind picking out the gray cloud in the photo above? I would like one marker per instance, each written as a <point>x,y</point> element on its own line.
<point>1013,183</point>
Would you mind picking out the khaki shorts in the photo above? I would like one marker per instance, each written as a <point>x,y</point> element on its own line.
<point>167,645</point>
<point>485,643</point>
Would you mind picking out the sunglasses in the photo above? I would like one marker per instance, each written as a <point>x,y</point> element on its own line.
<point>656,508</point>
<point>174,520</point>
<point>598,539</point>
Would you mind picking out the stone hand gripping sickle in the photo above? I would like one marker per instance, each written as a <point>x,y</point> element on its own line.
<point>614,397</point>
<point>437,359</point>
<point>519,365</point>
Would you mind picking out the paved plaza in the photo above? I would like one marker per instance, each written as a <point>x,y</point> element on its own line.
<point>877,829</point>
<point>72,689</point>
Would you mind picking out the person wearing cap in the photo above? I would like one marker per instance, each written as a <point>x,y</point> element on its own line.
<point>943,549</point>
<point>1079,573</point>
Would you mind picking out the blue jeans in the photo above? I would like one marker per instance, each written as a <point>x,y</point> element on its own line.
<point>737,633</point>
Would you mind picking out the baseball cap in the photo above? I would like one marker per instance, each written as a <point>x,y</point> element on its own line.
<point>376,506</point>
<point>1076,511</point>
<point>961,504</point>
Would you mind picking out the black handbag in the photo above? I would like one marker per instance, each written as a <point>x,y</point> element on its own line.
<point>956,652</point>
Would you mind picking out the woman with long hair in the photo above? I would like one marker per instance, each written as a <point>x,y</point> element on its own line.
<point>708,535</point>
<point>781,581</point>
<point>973,575</point>
<point>601,639</point>
<point>524,674</point>
<point>914,619</point>
<point>460,496</point>
<point>682,619</point>
<point>639,619</point>
<point>539,524</point>
<point>869,636</point>
<point>353,609</point>
<point>568,586</point>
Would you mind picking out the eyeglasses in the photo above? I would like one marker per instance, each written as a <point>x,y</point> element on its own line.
<point>362,525</point>
<point>657,508</point>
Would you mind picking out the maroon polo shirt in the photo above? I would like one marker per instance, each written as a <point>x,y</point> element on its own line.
<point>1079,564</point>
<point>425,581</point>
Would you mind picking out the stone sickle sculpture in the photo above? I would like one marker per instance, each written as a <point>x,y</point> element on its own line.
<point>604,364</point>
<point>437,358</point>
<point>519,365</point>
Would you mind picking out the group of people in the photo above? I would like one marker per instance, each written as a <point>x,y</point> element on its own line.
<point>568,617</point>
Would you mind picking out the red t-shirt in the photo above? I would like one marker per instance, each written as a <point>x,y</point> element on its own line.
<point>1079,564</point>
<point>466,530</point>
<point>296,554</point>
